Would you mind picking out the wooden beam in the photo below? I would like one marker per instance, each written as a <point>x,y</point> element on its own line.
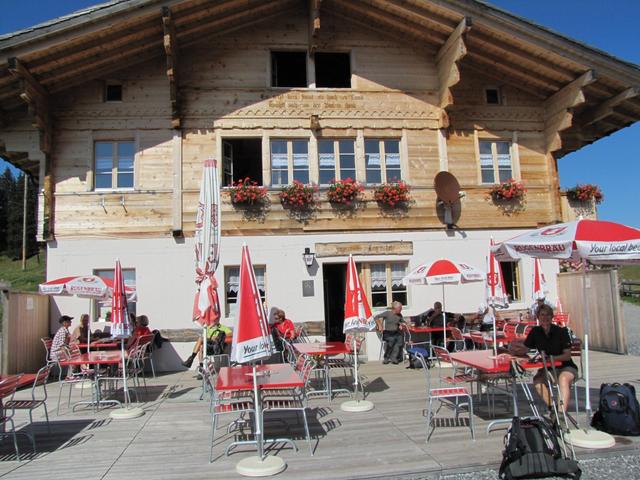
<point>501,78</point>
<point>37,98</point>
<point>447,60</point>
<point>606,108</point>
<point>314,25</point>
<point>559,109</point>
<point>171,50</point>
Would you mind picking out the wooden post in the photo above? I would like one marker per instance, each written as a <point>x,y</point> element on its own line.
<point>24,222</point>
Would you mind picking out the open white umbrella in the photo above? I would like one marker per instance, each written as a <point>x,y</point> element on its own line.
<point>442,272</point>
<point>596,241</point>
<point>357,319</point>
<point>496,291</point>
<point>206,306</point>
<point>120,328</point>
<point>252,342</point>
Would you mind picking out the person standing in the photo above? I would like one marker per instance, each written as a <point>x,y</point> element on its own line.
<point>390,324</point>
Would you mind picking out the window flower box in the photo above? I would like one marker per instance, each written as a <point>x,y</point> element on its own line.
<point>585,193</point>
<point>344,192</point>
<point>392,195</point>
<point>298,196</point>
<point>247,192</point>
<point>509,190</point>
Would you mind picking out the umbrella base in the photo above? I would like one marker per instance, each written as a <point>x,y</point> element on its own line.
<point>356,406</point>
<point>256,467</point>
<point>593,439</point>
<point>126,413</point>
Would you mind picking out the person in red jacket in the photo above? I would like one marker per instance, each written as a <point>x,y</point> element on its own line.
<point>282,328</point>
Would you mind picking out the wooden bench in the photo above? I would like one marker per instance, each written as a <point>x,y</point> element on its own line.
<point>630,289</point>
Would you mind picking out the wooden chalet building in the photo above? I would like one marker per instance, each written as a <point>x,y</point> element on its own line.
<point>114,109</point>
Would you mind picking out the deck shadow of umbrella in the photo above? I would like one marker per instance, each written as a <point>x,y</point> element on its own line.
<point>64,434</point>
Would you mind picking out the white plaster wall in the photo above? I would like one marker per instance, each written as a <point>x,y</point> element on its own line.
<point>165,271</point>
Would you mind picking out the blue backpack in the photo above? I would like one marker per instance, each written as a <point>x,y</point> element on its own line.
<point>619,411</point>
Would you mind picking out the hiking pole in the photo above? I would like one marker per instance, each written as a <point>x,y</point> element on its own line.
<point>521,378</point>
<point>552,398</point>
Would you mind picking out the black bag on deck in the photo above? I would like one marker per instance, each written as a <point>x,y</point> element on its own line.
<point>532,450</point>
<point>618,412</point>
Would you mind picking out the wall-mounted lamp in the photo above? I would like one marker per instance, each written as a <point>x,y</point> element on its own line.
<point>308,256</point>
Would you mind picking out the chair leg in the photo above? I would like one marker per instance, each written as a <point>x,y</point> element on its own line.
<point>59,396</point>
<point>473,437</point>
<point>46,415</point>
<point>306,430</point>
<point>15,439</point>
<point>429,410</point>
<point>153,368</point>
<point>214,421</point>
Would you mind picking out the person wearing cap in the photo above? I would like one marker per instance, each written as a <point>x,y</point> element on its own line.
<point>540,300</point>
<point>62,337</point>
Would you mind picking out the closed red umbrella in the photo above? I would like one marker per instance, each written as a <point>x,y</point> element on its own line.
<point>539,281</point>
<point>357,319</point>
<point>120,328</point>
<point>252,342</point>
<point>496,291</point>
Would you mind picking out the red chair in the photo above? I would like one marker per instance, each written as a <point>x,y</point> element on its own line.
<point>40,380</point>
<point>8,390</point>
<point>562,319</point>
<point>478,340</point>
<point>457,339</point>
<point>450,395</point>
<point>509,330</point>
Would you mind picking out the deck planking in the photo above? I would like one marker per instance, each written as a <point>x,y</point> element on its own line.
<point>171,440</point>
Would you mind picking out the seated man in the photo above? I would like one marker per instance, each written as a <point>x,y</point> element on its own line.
<point>485,318</point>
<point>216,335</point>
<point>553,340</point>
<point>61,338</point>
<point>390,324</point>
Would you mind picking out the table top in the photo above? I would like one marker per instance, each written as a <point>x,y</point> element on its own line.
<point>414,329</point>
<point>26,379</point>
<point>100,344</point>
<point>322,348</point>
<point>278,375</point>
<point>113,357</point>
<point>486,362</point>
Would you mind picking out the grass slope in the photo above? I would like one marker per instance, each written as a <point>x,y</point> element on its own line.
<point>28,280</point>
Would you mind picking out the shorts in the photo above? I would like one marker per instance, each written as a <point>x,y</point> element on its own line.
<point>540,374</point>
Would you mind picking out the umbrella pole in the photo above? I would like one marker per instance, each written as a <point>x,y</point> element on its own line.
<point>258,415</point>
<point>585,306</point>
<point>355,370</point>
<point>356,405</point>
<point>124,375</point>
<point>444,320</point>
<point>495,341</point>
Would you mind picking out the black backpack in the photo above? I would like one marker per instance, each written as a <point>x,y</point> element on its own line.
<point>532,450</point>
<point>619,411</point>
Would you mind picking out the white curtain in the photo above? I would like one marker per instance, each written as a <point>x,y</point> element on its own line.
<point>398,271</point>
<point>378,276</point>
<point>233,278</point>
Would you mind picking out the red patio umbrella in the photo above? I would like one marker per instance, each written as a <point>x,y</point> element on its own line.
<point>206,305</point>
<point>84,286</point>
<point>120,328</point>
<point>252,342</point>
<point>539,281</point>
<point>357,319</point>
<point>442,272</point>
<point>596,241</point>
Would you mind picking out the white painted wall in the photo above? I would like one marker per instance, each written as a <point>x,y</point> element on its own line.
<point>165,271</point>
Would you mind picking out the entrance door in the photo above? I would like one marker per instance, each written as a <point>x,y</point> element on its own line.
<point>334,287</point>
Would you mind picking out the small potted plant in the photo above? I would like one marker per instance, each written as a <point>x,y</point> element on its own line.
<point>585,193</point>
<point>298,196</point>
<point>509,190</point>
<point>392,195</point>
<point>247,192</point>
<point>344,192</point>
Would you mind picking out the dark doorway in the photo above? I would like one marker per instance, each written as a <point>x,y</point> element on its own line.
<point>241,158</point>
<point>333,70</point>
<point>334,285</point>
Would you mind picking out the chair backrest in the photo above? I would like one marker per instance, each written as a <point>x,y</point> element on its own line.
<point>526,330</point>
<point>478,339</point>
<point>425,368</point>
<point>291,354</point>
<point>8,388</point>
<point>300,362</point>
<point>41,379</point>
<point>301,334</point>
<point>521,327</point>
<point>456,334</point>
<point>509,329</point>
<point>74,350</point>
<point>307,369</point>
<point>46,342</point>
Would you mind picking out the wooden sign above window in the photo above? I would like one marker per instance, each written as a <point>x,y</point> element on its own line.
<point>340,249</point>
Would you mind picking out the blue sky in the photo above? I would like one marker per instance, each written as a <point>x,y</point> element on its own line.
<point>613,162</point>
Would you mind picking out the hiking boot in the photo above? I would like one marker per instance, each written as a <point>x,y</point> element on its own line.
<point>385,361</point>
<point>189,361</point>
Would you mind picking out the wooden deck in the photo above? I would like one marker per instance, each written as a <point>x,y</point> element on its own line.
<point>171,440</point>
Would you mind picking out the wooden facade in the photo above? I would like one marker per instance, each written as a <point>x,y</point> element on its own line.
<point>196,73</point>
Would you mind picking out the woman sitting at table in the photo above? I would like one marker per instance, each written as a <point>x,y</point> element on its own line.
<point>82,332</point>
<point>282,328</point>
<point>141,329</point>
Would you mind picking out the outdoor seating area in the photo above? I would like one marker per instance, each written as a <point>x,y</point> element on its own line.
<point>177,426</point>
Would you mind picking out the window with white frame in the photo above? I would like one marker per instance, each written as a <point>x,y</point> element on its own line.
<point>382,160</point>
<point>282,151</point>
<point>386,283</point>
<point>495,161</point>
<point>336,160</point>
<point>113,165</point>
<point>101,308</point>
<point>232,285</point>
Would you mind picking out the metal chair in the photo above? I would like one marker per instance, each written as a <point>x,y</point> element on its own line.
<point>445,395</point>
<point>46,342</point>
<point>296,402</point>
<point>8,390</point>
<point>72,378</point>
<point>30,405</point>
<point>457,339</point>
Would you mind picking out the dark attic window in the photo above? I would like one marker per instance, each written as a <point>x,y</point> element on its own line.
<point>112,92</point>
<point>333,70</point>
<point>288,69</point>
<point>492,96</point>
